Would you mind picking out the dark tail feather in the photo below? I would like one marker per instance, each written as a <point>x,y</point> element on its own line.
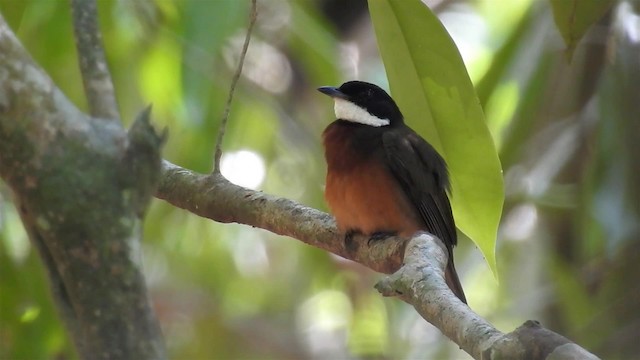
<point>451,278</point>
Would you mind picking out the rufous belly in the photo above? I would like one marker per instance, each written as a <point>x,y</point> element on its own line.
<point>368,199</point>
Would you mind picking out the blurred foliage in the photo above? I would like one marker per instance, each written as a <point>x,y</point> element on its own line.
<point>573,18</point>
<point>568,244</point>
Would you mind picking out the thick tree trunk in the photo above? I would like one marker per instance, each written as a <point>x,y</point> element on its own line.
<point>81,185</point>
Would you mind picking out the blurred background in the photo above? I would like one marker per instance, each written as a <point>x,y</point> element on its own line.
<point>567,134</point>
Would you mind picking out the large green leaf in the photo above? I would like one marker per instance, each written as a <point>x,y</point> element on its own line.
<point>574,17</point>
<point>430,83</point>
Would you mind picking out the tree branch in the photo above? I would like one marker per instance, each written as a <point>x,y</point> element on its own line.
<point>96,78</point>
<point>81,185</point>
<point>419,282</point>
<point>227,107</point>
<point>214,197</point>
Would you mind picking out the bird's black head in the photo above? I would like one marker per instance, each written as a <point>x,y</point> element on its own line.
<point>364,103</point>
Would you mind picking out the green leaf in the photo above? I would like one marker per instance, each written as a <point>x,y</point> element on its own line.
<point>430,83</point>
<point>574,17</point>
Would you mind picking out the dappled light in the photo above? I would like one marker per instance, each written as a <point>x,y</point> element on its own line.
<point>265,65</point>
<point>519,224</point>
<point>566,134</point>
<point>324,320</point>
<point>244,168</point>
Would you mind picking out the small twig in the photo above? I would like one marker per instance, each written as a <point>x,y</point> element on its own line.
<point>96,78</point>
<point>227,108</point>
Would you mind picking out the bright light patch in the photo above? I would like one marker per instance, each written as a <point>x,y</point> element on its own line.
<point>264,64</point>
<point>15,238</point>
<point>350,59</point>
<point>250,253</point>
<point>244,168</point>
<point>30,314</point>
<point>323,320</point>
<point>501,107</point>
<point>521,222</point>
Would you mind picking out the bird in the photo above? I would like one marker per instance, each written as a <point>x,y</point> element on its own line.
<point>383,179</point>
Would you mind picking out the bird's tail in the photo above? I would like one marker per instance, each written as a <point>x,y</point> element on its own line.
<point>452,280</point>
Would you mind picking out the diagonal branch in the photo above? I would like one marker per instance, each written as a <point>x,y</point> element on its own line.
<point>227,107</point>
<point>418,270</point>
<point>96,78</point>
<point>214,197</point>
<point>420,282</point>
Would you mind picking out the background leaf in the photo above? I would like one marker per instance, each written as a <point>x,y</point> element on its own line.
<point>430,83</point>
<point>574,17</point>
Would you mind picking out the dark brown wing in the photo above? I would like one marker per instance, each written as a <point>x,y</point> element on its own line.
<point>422,174</point>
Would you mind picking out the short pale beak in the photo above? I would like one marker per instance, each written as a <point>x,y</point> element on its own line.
<point>334,92</point>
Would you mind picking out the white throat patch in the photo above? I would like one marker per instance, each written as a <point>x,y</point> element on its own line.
<point>346,110</point>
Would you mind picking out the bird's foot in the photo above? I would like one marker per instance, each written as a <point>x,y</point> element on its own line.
<point>348,238</point>
<point>380,235</point>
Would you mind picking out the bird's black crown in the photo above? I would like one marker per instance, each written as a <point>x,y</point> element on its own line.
<point>368,96</point>
<point>372,98</point>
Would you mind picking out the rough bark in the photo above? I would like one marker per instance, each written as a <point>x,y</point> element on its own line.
<point>81,186</point>
<point>214,197</point>
<point>96,77</point>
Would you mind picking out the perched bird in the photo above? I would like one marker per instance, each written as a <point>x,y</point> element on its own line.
<point>383,179</point>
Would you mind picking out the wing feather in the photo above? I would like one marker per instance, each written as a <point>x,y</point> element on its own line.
<point>423,176</point>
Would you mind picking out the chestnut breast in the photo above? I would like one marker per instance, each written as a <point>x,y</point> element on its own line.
<point>360,191</point>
